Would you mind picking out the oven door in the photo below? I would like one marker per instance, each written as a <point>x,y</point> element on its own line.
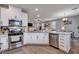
<point>15,38</point>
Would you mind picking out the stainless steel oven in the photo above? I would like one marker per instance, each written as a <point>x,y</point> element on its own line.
<point>15,33</point>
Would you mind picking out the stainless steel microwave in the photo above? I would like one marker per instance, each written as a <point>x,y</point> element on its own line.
<point>13,22</point>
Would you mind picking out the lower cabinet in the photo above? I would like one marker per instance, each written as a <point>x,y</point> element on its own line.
<point>4,42</point>
<point>36,38</point>
<point>65,42</point>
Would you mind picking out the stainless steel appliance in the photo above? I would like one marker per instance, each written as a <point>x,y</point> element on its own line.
<point>16,23</point>
<point>15,33</point>
<point>53,39</point>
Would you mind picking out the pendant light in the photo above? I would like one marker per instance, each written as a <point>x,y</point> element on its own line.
<point>65,18</point>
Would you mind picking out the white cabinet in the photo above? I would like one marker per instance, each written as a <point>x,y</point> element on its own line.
<point>24,19</point>
<point>4,42</point>
<point>65,42</point>
<point>14,13</point>
<point>43,38</point>
<point>53,25</point>
<point>4,16</point>
<point>17,14</point>
<point>27,38</point>
<point>36,38</point>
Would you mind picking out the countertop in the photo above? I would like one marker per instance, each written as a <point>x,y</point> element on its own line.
<point>60,32</point>
<point>56,32</point>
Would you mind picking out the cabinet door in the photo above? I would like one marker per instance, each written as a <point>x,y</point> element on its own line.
<point>46,38</point>
<point>4,16</point>
<point>64,42</point>
<point>27,38</point>
<point>4,45</point>
<point>24,19</point>
<point>14,13</point>
<point>39,38</point>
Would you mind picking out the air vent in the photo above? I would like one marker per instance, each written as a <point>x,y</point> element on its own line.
<point>75,8</point>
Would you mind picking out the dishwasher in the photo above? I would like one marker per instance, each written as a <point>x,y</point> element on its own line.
<point>54,40</point>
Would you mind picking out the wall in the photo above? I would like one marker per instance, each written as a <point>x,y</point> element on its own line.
<point>74,25</point>
<point>71,27</point>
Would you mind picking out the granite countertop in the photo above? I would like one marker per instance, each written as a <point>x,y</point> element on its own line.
<point>36,32</point>
<point>56,32</point>
<point>59,32</point>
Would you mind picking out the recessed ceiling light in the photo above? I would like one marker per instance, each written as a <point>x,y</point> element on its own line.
<point>36,9</point>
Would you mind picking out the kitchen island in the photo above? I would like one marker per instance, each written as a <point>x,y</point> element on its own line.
<point>64,39</point>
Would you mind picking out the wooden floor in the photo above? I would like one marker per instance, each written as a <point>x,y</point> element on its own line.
<point>44,49</point>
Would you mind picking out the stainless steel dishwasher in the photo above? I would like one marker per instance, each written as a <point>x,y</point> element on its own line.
<point>54,40</point>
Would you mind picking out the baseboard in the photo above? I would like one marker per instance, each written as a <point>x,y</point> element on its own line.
<point>36,45</point>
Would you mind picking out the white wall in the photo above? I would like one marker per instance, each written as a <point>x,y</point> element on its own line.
<point>74,25</point>
<point>71,27</point>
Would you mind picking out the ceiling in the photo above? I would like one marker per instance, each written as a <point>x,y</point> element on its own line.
<point>50,11</point>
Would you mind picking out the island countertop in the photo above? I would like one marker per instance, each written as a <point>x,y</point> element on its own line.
<point>60,32</point>
<point>56,32</point>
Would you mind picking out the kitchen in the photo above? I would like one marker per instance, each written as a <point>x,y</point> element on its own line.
<point>20,29</point>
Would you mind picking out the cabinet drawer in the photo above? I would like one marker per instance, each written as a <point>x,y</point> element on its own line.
<point>62,47</point>
<point>62,36</point>
<point>62,43</point>
<point>61,40</point>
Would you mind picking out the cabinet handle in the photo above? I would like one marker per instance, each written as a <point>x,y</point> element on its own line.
<point>62,42</point>
<point>62,39</point>
<point>62,45</point>
<point>37,37</point>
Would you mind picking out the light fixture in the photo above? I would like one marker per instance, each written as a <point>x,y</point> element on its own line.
<point>37,20</point>
<point>66,21</point>
<point>36,9</point>
<point>65,18</point>
<point>37,16</point>
<point>63,28</point>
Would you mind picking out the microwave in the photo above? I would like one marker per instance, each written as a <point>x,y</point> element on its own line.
<point>13,22</point>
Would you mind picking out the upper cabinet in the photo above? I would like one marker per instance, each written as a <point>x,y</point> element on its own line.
<point>17,14</point>
<point>14,13</point>
<point>24,19</point>
<point>4,16</point>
